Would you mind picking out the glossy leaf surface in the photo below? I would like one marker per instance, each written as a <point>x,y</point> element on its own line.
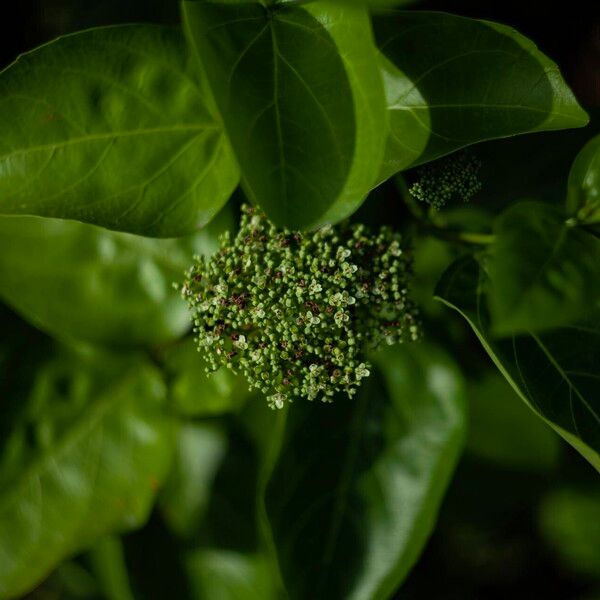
<point>543,272</point>
<point>86,457</point>
<point>80,281</point>
<point>554,372</point>
<point>301,99</point>
<point>354,492</point>
<point>451,81</point>
<point>110,126</point>
<point>583,198</point>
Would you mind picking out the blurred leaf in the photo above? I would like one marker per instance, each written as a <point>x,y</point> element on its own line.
<point>86,458</point>
<point>374,4</point>
<point>504,431</point>
<point>108,561</point>
<point>570,522</point>
<point>583,198</point>
<point>156,562</point>
<point>555,373</point>
<point>432,257</point>
<point>69,581</point>
<point>355,490</point>
<point>200,452</point>
<point>230,516</point>
<point>266,428</point>
<point>83,282</point>
<point>193,392</point>
<point>543,272</point>
<point>110,126</point>
<point>228,575</point>
<point>451,81</point>
<point>301,99</point>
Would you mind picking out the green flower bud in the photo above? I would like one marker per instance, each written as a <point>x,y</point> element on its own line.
<point>442,181</point>
<point>295,312</point>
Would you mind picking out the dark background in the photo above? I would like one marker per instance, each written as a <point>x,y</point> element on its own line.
<point>488,544</point>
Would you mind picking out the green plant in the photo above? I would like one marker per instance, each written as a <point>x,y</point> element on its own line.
<point>305,162</point>
<point>296,312</point>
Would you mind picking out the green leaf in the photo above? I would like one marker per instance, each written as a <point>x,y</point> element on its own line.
<point>230,516</point>
<point>109,567</point>
<point>193,392</point>
<point>555,372</point>
<point>570,522</point>
<point>452,81</point>
<point>110,126</point>
<point>355,490</point>
<point>199,454</point>
<point>583,197</point>
<point>374,4</point>
<point>217,574</point>
<point>80,281</point>
<point>72,581</point>
<point>543,272</point>
<point>301,99</point>
<point>503,431</point>
<point>85,459</point>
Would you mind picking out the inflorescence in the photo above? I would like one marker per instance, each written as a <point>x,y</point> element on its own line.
<point>295,312</point>
<point>442,181</point>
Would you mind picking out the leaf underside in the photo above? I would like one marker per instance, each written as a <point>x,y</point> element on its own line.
<point>554,372</point>
<point>452,81</point>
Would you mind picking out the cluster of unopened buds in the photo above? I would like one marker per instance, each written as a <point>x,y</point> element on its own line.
<point>455,177</point>
<point>295,312</point>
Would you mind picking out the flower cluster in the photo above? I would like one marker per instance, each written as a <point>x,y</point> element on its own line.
<point>454,177</point>
<point>294,312</point>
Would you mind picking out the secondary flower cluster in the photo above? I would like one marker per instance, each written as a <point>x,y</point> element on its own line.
<point>453,177</point>
<point>294,312</point>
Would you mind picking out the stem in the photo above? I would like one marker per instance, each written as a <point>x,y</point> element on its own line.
<point>413,206</point>
<point>457,236</point>
<point>468,237</point>
<point>108,563</point>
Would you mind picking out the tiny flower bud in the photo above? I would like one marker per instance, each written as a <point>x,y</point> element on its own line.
<point>295,313</point>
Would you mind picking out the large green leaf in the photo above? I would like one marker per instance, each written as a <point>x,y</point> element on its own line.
<point>80,281</point>
<point>554,372</point>
<point>85,458</point>
<point>110,126</point>
<point>452,81</point>
<point>583,198</point>
<point>301,99</point>
<point>505,432</point>
<point>354,492</point>
<point>543,272</point>
<point>200,451</point>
